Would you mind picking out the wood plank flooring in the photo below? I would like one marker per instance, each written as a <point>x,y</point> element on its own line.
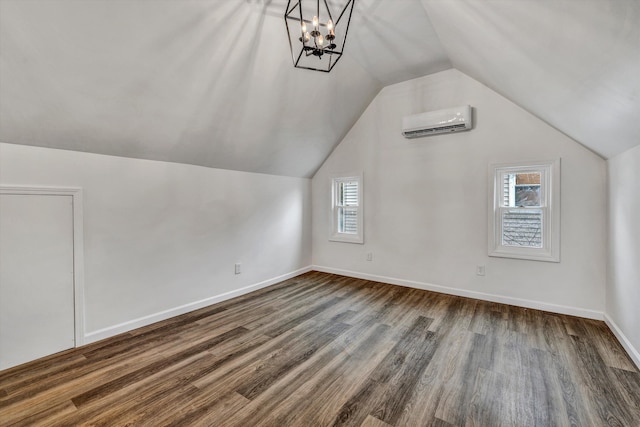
<point>326,350</point>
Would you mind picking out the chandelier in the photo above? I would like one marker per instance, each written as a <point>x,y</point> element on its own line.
<point>316,35</point>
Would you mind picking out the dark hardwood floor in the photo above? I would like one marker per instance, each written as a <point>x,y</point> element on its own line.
<point>321,349</point>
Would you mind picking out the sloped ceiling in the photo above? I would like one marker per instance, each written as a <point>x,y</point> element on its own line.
<point>574,64</point>
<point>210,82</point>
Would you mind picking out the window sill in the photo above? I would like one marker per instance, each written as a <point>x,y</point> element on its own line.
<point>347,238</point>
<point>525,254</point>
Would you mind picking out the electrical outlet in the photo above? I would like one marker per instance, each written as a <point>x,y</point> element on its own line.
<point>237,268</point>
<point>369,256</point>
<point>480,270</point>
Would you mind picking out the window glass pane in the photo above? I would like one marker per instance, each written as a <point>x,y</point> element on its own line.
<point>527,195</point>
<point>348,193</point>
<point>521,189</point>
<point>522,227</point>
<point>348,220</point>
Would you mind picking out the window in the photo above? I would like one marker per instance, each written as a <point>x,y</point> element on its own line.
<point>347,209</point>
<point>524,211</point>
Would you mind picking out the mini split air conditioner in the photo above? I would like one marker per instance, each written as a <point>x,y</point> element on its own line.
<point>435,122</point>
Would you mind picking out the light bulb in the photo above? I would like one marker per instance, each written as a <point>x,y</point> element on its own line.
<point>307,36</point>
<point>304,27</point>
<point>320,40</point>
<point>315,22</point>
<point>329,25</point>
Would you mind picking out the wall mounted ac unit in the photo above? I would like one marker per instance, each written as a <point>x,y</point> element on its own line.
<point>435,122</point>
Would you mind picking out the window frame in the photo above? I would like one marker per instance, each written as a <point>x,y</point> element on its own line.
<point>336,235</point>
<point>549,205</point>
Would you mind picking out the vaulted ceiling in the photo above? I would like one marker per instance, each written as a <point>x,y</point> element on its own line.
<point>211,83</point>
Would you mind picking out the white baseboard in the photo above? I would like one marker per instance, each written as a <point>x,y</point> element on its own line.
<point>176,311</point>
<point>624,341</point>
<point>538,305</point>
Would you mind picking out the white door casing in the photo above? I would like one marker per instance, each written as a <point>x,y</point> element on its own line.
<point>41,288</point>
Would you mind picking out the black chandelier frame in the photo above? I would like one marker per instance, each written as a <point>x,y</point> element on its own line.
<point>310,47</point>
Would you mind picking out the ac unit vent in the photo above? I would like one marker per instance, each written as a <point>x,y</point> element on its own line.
<point>436,122</point>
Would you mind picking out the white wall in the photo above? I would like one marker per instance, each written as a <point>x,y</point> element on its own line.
<point>623,284</point>
<point>161,238</point>
<point>426,200</point>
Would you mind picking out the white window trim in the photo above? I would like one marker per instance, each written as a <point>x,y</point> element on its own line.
<point>550,192</point>
<point>344,237</point>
